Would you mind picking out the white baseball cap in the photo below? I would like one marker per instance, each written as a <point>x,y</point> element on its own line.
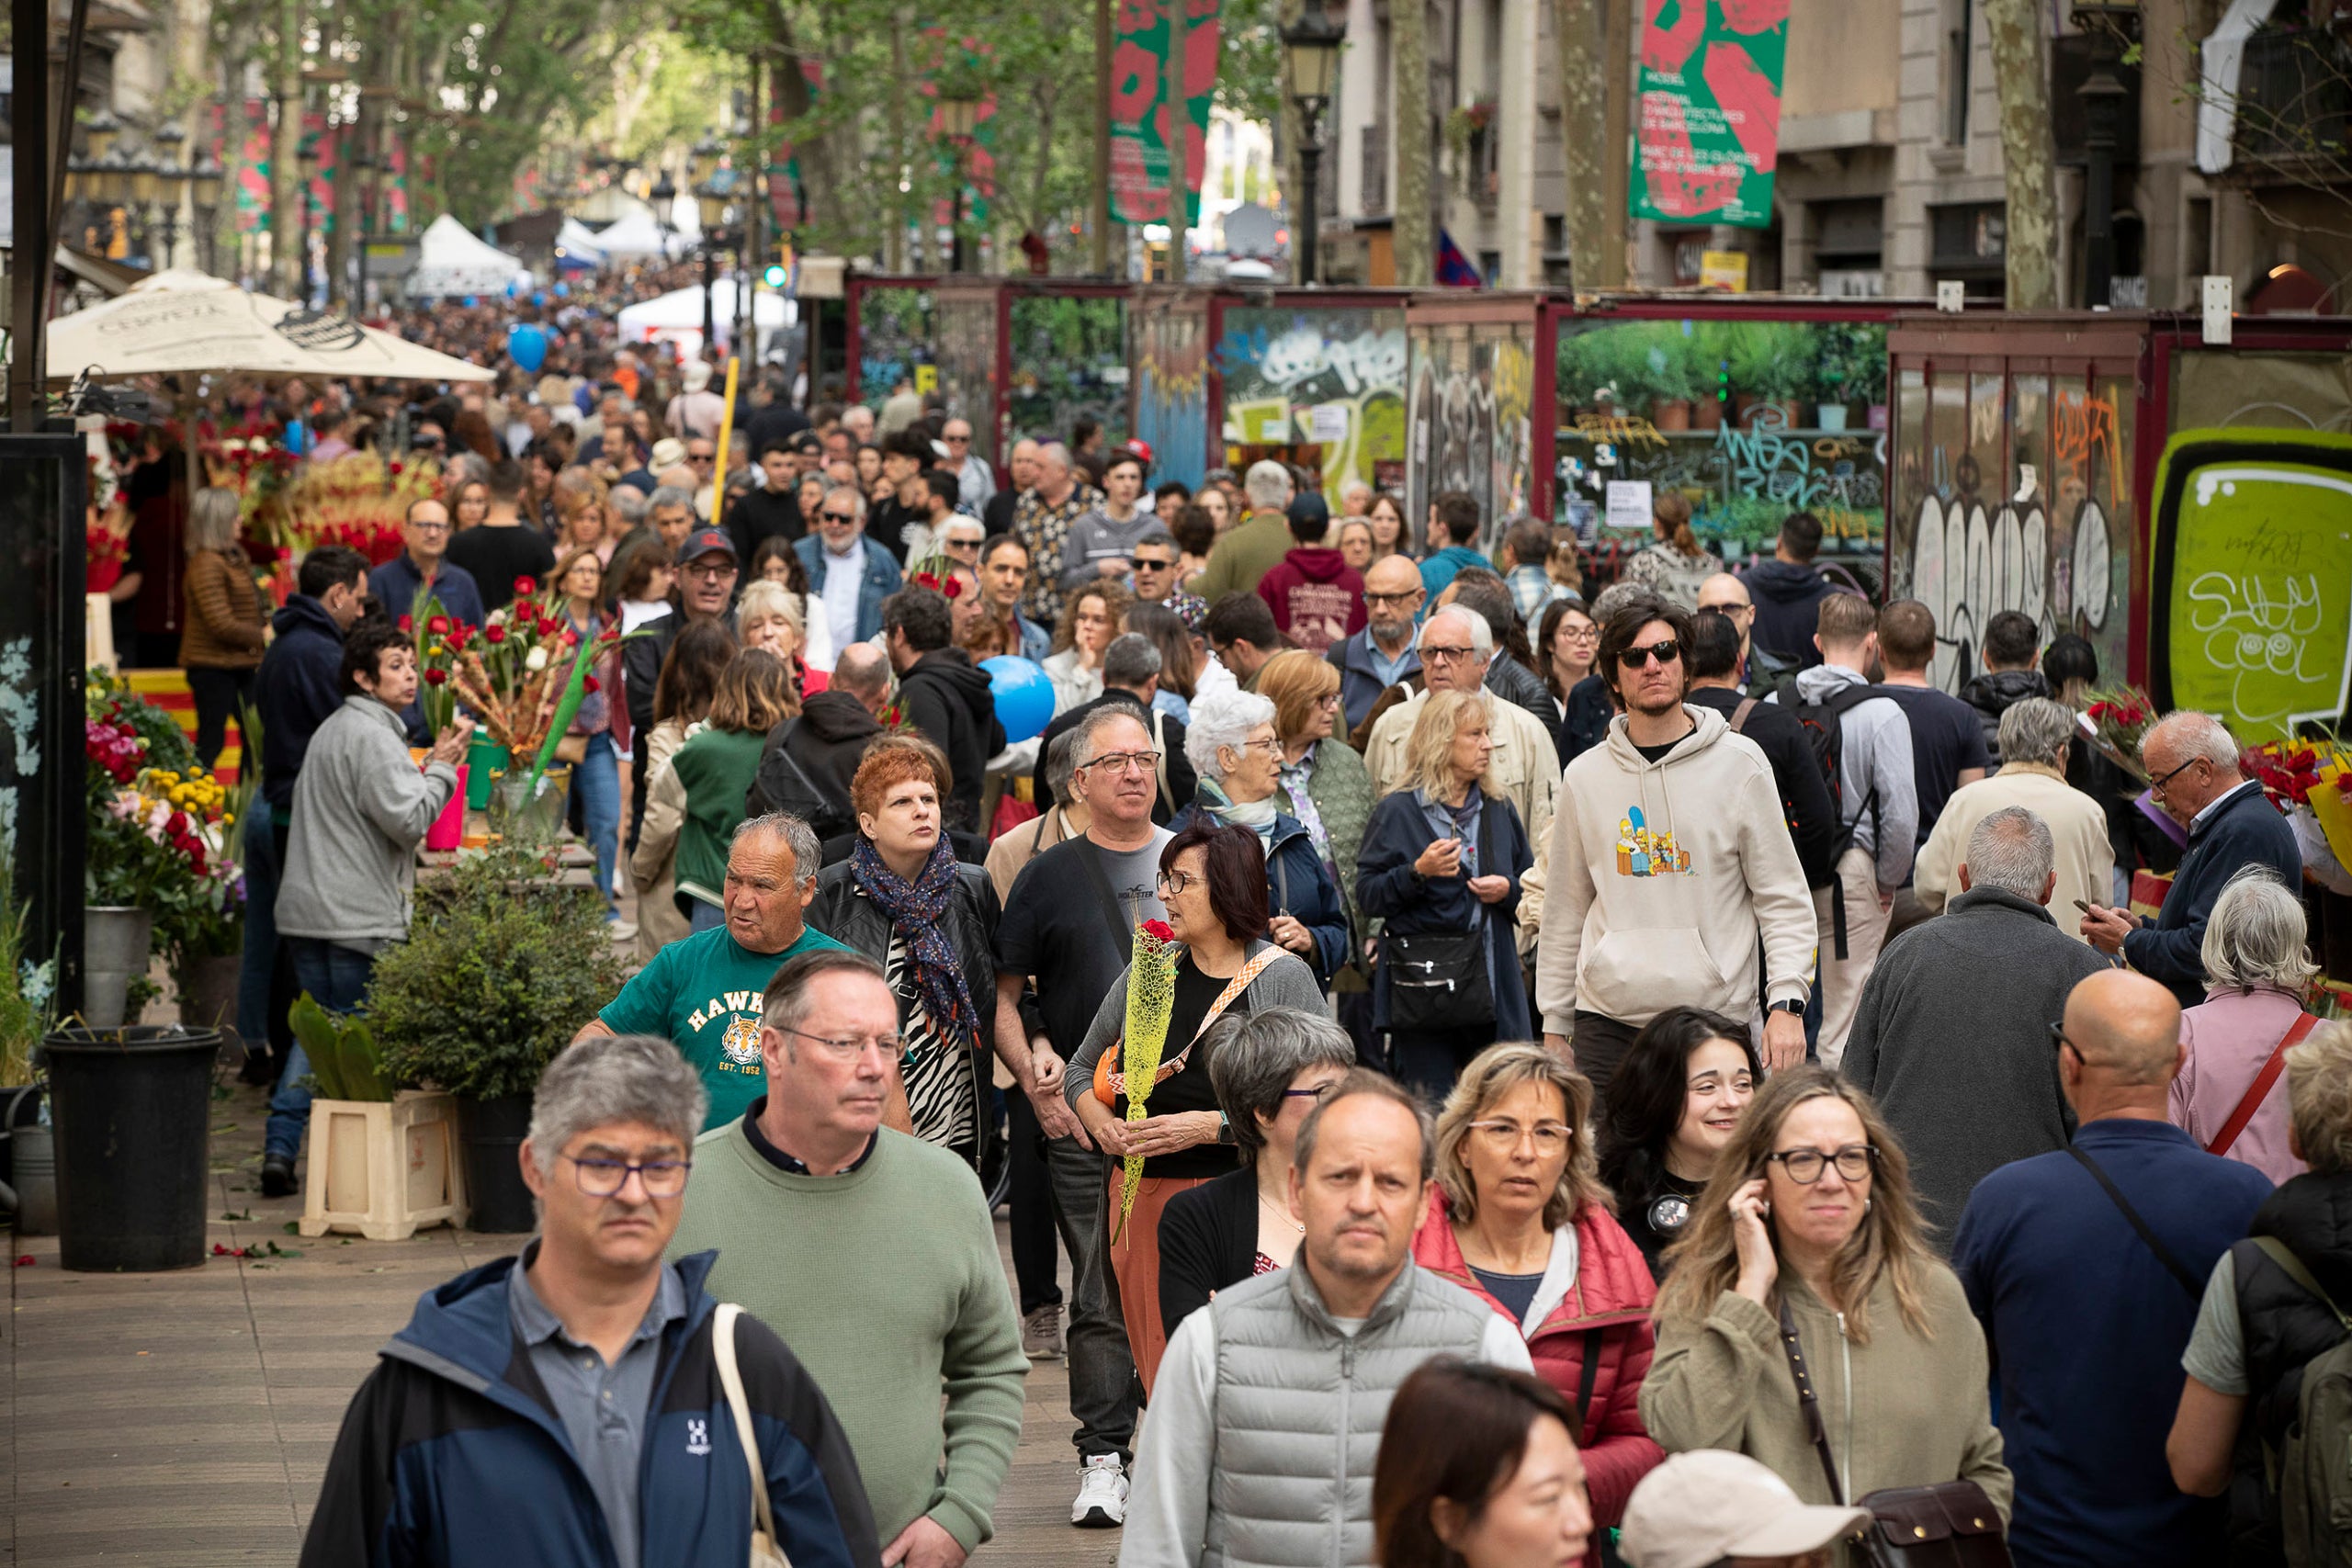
<point>1700,1507</point>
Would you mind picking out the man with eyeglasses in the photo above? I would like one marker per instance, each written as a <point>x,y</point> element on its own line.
<point>1456,645</point>
<point>702,992</point>
<point>2192,763</point>
<point>1382,654</point>
<point>707,568</point>
<point>583,1375</point>
<point>872,1252</point>
<point>974,483</point>
<point>425,564</point>
<point>1021,474</point>
<point>1068,926</point>
<point>849,574</point>
<point>1668,855</point>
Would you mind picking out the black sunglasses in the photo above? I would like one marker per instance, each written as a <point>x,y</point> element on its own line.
<point>1665,652</point>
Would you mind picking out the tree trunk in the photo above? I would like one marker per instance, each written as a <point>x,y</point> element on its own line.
<point>1584,92</point>
<point>894,242</point>
<point>1409,64</point>
<point>1099,227</point>
<point>286,193</point>
<point>2021,67</point>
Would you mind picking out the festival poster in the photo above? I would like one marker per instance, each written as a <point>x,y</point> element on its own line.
<point>1710,128</point>
<point>1163,80</point>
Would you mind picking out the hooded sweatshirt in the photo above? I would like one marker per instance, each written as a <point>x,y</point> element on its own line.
<point>1660,875</point>
<point>1317,598</point>
<point>1787,594</point>
<point>1993,694</point>
<point>1878,794</point>
<point>947,698</point>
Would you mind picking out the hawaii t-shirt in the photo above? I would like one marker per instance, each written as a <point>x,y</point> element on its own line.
<point>704,992</point>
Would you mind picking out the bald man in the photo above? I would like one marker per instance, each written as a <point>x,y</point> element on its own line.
<point>1382,654</point>
<point>2086,1317</point>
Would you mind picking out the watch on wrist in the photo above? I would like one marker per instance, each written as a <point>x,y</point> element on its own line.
<point>1793,1006</point>
<point>1224,1128</point>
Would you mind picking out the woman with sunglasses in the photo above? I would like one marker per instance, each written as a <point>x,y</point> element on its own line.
<point>1212,884</point>
<point>1808,1226</point>
<point>1517,1217</point>
<point>1269,1070</point>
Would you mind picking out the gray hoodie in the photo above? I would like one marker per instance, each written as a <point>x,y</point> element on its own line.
<point>360,809</point>
<point>1875,752</point>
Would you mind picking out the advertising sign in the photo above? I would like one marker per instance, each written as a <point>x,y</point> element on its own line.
<point>1710,110</point>
<point>1163,75</point>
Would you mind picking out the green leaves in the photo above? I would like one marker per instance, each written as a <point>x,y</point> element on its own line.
<point>344,1058</point>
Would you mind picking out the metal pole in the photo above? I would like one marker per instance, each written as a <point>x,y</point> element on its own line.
<point>1310,158</point>
<point>1099,262</point>
<point>34,252</point>
<point>709,281</point>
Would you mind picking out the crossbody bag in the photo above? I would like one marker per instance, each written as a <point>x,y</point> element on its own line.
<point>1441,979</point>
<point>767,1550</point>
<point>1109,1082</point>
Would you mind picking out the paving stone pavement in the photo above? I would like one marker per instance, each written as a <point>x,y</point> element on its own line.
<point>186,1418</point>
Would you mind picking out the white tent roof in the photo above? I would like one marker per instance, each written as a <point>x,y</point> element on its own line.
<point>678,312</point>
<point>577,240</point>
<point>636,236</point>
<point>184,322</point>
<point>450,259</point>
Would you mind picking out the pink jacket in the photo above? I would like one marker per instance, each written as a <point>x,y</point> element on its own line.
<point>2229,1036</point>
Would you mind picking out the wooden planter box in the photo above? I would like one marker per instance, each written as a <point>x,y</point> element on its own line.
<point>384,1169</point>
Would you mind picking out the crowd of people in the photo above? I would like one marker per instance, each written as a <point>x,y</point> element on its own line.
<point>1581,1132</point>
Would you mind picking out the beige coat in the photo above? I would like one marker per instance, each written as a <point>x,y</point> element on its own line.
<point>2085,860</point>
<point>1901,1411</point>
<point>652,869</point>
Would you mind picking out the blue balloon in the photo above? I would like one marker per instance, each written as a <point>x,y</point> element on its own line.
<point>564,291</point>
<point>540,299</point>
<point>527,345</point>
<point>1024,697</point>
<point>468,302</point>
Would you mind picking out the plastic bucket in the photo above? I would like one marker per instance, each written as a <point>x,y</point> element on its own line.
<point>131,1111</point>
<point>33,1164</point>
<point>117,943</point>
<point>484,758</point>
<point>448,830</point>
<point>492,1132</point>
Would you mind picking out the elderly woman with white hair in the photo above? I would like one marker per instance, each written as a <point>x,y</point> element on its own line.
<point>1237,755</point>
<point>2227,1095</point>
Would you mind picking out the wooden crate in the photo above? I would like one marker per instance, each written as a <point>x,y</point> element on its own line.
<point>384,1169</point>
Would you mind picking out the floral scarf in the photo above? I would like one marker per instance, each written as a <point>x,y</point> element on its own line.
<point>916,909</point>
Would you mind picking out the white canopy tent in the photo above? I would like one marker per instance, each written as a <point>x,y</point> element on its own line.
<point>676,317</point>
<point>637,237</point>
<point>451,259</point>
<point>577,242</point>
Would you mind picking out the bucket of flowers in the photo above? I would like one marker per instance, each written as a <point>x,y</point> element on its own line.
<point>2308,781</point>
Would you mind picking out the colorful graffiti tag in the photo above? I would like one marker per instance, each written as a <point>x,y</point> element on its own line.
<point>1332,380</point>
<point>1468,425</point>
<point>1740,483</point>
<point>1171,386</point>
<point>2251,588</point>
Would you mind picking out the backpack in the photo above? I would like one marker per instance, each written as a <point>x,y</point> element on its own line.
<point>783,784</point>
<point>2313,1469</point>
<point>1825,731</point>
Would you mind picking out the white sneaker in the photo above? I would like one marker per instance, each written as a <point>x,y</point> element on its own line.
<point>1101,1494</point>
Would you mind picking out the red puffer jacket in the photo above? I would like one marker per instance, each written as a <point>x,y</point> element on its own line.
<point>1608,1307</point>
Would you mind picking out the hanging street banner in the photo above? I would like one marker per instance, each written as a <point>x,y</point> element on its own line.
<point>1711,110</point>
<point>1163,77</point>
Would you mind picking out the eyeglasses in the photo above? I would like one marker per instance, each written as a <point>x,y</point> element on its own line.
<point>1319,1093</point>
<point>1804,1166</point>
<point>605,1177</point>
<point>428,526</point>
<point>2157,786</point>
<point>702,456</point>
<point>1179,883</point>
<point>1581,634</point>
<point>850,1047</point>
<point>1432,654</point>
<point>709,571</point>
<point>1664,653</point>
<point>956,440</point>
<point>1143,565</point>
<point>1328,700</point>
<point>1272,746</point>
<point>1125,762</point>
<point>1405,598</point>
<point>1504,1135</point>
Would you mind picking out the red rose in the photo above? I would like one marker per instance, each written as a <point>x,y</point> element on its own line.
<point>405,624</point>
<point>494,635</point>
<point>1159,931</point>
<point>396,468</point>
<point>525,586</point>
<point>176,825</point>
<point>438,626</point>
<point>591,686</point>
<point>570,637</point>
<point>436,677</point>
<point>951,588</point>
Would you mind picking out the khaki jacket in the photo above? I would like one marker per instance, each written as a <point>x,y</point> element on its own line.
<point>2085,860</point>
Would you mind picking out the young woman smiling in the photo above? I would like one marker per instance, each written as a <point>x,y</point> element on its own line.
<point>1673,1106</point>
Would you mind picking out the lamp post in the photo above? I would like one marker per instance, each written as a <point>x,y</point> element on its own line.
<point>1311,64</point>
<point>204,179</point>
<point>2110,24</point>
<point>171,181</point>
<point>309,160</point>
<point>959,117</point>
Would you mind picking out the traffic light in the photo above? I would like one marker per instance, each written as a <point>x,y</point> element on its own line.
<point>778,274</point>
<point>775,275</point>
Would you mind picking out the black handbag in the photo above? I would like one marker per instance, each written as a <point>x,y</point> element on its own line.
<point>1440,979</point>
<point>1952,1524</point>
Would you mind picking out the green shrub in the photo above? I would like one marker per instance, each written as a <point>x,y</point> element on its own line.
<point>502,968</point>
<point>345,1063</point>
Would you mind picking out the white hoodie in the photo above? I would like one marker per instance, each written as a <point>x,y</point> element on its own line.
<point>1660,875</point>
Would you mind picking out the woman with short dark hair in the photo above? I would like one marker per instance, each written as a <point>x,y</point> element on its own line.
<point>1212,884</point>
<point>1674,1102</point>
<point>1502,1487</point>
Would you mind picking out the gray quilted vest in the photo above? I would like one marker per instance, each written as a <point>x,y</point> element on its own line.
<point>1299,1408</point>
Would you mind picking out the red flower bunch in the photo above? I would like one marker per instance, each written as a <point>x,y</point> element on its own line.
<point>525,586</point>
<point>113,747</point>
<point>947,588</point>
<point>2289,774</point>
<point>1159,930</point>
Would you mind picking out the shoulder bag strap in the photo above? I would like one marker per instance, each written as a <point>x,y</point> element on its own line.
<point>1811,1405</point>
<point>1739,715</point>
<point>2263,1082</point>
<point>2165,1254</point>
<point>1224,998</point>
<point>1587,1376</point>
<point>730,1377</point>
<point>2279,1252</point>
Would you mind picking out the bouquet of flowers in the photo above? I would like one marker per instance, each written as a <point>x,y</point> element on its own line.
<point>2312,785</point>
<point>441,642</point>
<point>357,500</point>
<point>2115,722</point>
<point>160,836</point>
<point>1151,998</point>
<point>525,675</point>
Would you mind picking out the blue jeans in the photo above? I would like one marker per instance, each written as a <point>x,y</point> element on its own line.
<point>596,781</point>
<point>705,917</point>
<point>336,979</point>
<point>260,962</point>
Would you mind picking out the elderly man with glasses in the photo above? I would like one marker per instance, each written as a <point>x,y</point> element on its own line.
<point>975,482</point>
<point>849,574</point>
<point>424,565</point>
<point>1456,646</point>
<point>2192,763</point>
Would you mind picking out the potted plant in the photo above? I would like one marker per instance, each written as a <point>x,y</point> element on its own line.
<point>25,989</point>
<point>1771,364</point>
<point>383,1161</point>
<point>501,967</point>
<point>138,844</point>
<point>201,910</point>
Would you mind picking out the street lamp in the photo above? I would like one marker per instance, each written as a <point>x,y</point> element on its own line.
<point>204,180</point>
<point>959,118</point>
<point>2111,25</point>
<point>307,158</point>
<point>1310,66</point>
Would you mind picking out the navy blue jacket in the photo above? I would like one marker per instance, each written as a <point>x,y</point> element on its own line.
<point>1788,606</point>
<point>1299,884</point>
<point>1586,724</point>
<point>395,584</point>
<point>297,685</point>
<point>452,1456</point>
<point>2086,1329</point>
<point>2248,830</point>
<point>1388,888</point>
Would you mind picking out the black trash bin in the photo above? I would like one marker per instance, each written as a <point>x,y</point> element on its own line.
<point>497,1198</point>
<point>131,1108</point>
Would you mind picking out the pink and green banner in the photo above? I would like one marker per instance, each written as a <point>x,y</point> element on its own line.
<point>1163,77</point>
<point>1711,110</point>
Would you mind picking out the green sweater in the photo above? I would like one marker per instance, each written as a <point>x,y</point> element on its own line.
<point>885,1283</point>
<point>716,766</point>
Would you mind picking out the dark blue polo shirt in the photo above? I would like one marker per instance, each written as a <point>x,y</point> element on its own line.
<point>2086,1328</point>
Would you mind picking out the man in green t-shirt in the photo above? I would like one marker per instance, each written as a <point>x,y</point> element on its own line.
<point>704,991</point>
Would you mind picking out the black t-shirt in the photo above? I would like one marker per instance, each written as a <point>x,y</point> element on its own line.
<point>1655,1218</point>
<point>1946,736</point>
<point>497,557</point>
<point>1189,1090</point>
<point>1657,754</point>
<point>761,515</point>
<point>773,422</point>
<point>1057,926</point>
<point>1516,1292</point>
